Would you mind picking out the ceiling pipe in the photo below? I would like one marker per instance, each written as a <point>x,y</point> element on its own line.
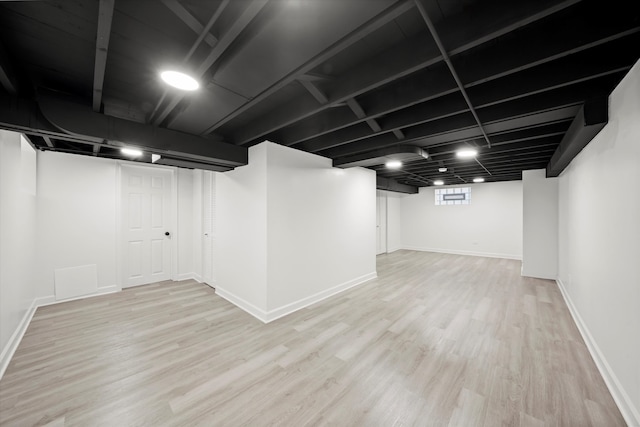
<point>76,119</point>
<point>591,118</point>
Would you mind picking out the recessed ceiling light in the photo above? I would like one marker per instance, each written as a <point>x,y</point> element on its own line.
<point>478,179</point>
<point>393,164</point>
<point>133,152</point>
<point>442,169</point>
<point>179,80</point>
<point>438,182</point>
<point>467,153</point>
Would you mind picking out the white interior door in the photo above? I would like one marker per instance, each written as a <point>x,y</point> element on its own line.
<point>208,227</point>
<point>381,223</point>
<point>146,224</point>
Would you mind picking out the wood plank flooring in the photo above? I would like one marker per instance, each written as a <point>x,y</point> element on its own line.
<point>436,340</point>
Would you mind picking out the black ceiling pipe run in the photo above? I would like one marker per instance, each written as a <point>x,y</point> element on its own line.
<point>388,184</point>
<point>77,119</point>
<point>590,120</point>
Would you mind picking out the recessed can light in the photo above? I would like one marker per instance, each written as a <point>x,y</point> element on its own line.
<point>133,152</point>
<point>466,153</point>
<point>442,169</point>
<point>179,80</point>
<point>393,164</point>
<point>478,179</point>
<point>438,182</point>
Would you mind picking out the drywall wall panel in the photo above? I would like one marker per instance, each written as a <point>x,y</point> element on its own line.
<point>321,224</point>
<point>17,240</point>
<point>599,268</point>
<point>241,224</point>
<point>539,225</point>
<point>490,226</point>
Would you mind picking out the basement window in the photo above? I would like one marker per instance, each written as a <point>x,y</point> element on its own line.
<point>453,196</point>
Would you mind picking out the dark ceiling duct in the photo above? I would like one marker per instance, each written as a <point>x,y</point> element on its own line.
<point>381,156</point>
<point>77,119</point>
<point>388,184</point>
<point>590,120</point>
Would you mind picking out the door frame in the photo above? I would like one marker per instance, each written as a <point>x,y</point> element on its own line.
<point>173,220</point>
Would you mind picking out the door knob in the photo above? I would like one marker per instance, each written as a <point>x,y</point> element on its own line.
<point>166,233</point>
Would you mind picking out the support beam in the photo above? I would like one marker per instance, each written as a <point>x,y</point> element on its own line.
<point>590,120</point>
<point>190,20</point>
<point>203,33</point>
<point>314,91</point>
<point>48,141</point>
<point>403,60</point>
<point>398,133</point>
<point>416,98</point>
<point>105,16</point>
<point>447,60</point>
<point>372,25</point>
<point>225,41</point>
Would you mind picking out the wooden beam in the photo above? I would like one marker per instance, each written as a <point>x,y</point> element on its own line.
<point>225,41</point>
<point>380,20</point>
<point>398,133</point>
<point>105,16</point>
<point>314,91</point>
<point>400,61</point>
<point>190,20</point>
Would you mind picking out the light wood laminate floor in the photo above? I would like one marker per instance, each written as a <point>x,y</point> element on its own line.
<point>436,340</point>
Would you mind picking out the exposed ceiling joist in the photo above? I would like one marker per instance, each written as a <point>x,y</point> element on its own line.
<point>432,93</point>
<point>105,16</point>
<point>314,91</point>
<point>447,60</point>
<point>48,141</point>
<point>383,18</point>
<point>411,56</point>
<point>218,49</point>
<point>190,20</point>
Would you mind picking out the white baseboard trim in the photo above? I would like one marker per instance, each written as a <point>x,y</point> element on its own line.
<point>271,315</point>
<point>629,412</point>
<point>312,299</point>
<point>11,346</point>
<point>51,299</point>
<point>243,304</point>
<point>469,253</point>
<point>392,250</point>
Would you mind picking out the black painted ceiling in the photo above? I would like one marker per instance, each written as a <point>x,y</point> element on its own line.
<point>339,78</point>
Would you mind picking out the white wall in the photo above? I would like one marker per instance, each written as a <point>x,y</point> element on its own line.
<point>599,263</point>
<point>241,224</point>
<point>394,221</point>
<point>490,226</point>
<point>292,230</point>
<point>540,225</point>
<point>186,226</point>
<point>76,218</point>
<point>17,240</point>
<point>321,226</point>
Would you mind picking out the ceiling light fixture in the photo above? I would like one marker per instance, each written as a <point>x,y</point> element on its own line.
<point>133,152</point>
<point>478,179</point>
<point>179,80</point>
<point>442,169</point>
<point>438,182</point>
<point>393,164</point>
<point>466,153</point>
